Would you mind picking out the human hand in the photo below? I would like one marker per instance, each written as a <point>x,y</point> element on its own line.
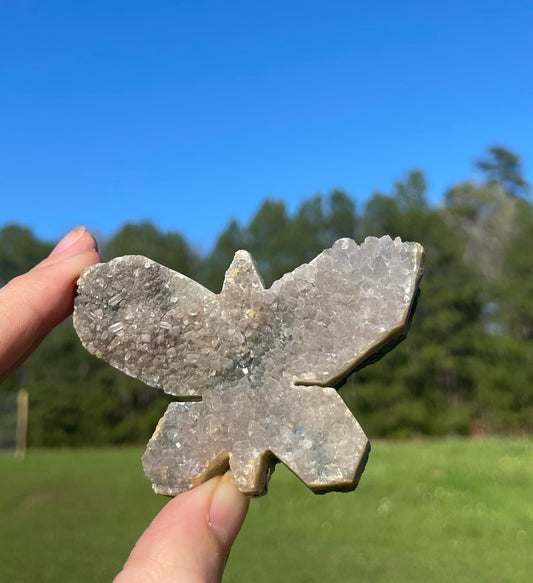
<point>33,303</point>
<point>190,539</point>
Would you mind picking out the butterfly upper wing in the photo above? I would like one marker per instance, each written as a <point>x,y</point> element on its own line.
<point>331,315</point>
<point>346,306</point>
<point>146,320</point>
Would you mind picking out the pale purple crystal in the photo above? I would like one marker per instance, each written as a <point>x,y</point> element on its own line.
<point>253,368</point>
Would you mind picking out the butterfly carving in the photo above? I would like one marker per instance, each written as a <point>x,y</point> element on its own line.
<point>254,370</point>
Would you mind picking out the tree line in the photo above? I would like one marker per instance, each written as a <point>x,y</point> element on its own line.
<point>466,367</point>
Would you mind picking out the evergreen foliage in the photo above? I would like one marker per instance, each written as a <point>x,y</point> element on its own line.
<point>502,166</point>
<point>465,368</point>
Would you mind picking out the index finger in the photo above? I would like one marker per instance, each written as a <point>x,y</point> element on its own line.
<point>33,303</point>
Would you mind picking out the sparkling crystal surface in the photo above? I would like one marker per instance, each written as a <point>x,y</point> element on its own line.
<point>254,369</point>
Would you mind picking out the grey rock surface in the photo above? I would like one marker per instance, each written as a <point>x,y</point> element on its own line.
<point>254,369</point>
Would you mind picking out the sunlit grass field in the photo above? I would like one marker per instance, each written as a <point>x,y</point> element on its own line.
<point>458,511</point>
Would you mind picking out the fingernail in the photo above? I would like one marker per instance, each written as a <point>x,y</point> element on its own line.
<point>68,240</point>
<point>227,510</point>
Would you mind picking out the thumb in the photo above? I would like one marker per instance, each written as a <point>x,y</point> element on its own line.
<point>190,539</point>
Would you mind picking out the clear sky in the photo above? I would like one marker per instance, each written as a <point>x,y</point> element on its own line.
<point>190,113</point>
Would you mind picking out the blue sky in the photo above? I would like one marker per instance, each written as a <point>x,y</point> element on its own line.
<point>191,113</point>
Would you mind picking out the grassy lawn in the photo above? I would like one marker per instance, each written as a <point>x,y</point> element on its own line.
<point>458,511</point>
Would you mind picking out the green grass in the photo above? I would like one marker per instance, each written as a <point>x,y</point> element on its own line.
<point>458,511</point>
